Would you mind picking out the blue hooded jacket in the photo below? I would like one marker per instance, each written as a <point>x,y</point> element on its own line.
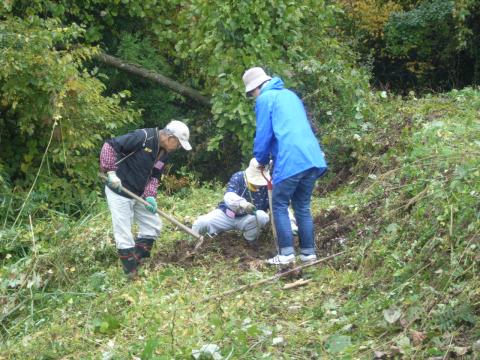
<point>283,131</point>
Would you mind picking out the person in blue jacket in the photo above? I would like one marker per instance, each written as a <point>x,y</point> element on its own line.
<point>283,134</point>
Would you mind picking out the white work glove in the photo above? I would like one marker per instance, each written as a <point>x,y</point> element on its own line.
<point>248,207</point>
<point>113,180</point>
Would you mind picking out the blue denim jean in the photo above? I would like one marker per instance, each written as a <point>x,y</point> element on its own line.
<point>297,189</point>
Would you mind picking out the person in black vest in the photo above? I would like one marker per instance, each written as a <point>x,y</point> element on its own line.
<point>136,161</point>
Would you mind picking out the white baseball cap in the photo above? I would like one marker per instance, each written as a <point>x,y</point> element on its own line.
<point>253,78</point>
<point>181,132</point>
<point>254,174</point>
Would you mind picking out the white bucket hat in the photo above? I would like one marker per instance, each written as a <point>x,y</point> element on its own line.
<point>253,78</point>
<point>254,174</point>
<point>181,132</point>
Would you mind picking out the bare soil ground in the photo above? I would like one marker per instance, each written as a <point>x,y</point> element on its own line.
<point>331,233</point>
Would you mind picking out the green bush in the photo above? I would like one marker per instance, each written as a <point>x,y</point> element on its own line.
<point>54,117</point>
<point>431,43</point>
<point>290,40</point>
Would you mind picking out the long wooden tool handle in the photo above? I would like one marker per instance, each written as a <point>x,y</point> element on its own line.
<point>161,213</point>
<point>272,219</point>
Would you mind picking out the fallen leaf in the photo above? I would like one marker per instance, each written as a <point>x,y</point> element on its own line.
<point>391,315</point>
<point>128,298</point>
<point>460,350</point>
<point>395,349</point>
<point>379,355</point>
<point>403,342</point>
<point>277,340</point>
<point>294,308</point>
<point>417,337</point>
<point>256,264</point>
<point>337,343</point>
<point>476,346</point>
<point>211,351</point>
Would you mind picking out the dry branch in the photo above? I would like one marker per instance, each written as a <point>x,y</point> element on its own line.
<point>275,277</point>
<point>295,284</point>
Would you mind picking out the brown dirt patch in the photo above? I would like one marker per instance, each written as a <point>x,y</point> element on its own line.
<point>225,246</point>
<point>332,229</point>
<point>327,185</point>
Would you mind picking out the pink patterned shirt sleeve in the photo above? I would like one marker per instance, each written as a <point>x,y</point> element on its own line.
<point>108,157</point>
<point>151,188</point>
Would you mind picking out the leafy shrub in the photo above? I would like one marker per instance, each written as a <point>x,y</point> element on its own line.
<point>54,116</point>
<point>412,31</point>
<point>431,38</point>
<point>288,39</point>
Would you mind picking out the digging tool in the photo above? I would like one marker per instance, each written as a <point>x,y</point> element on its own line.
<point>166,216</point>
<point>272,220</point>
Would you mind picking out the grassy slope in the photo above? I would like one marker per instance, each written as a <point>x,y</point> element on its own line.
<point>409,219</point>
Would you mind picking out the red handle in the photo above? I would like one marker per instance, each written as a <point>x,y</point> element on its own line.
<point>269,182</point>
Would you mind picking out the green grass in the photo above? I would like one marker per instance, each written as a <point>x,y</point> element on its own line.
<point>409,216</point>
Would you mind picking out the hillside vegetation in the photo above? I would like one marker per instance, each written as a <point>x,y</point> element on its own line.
<point>396,216</point>
<point>401,201</point>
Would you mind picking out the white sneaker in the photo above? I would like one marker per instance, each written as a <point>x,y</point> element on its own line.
<point>281,259</point>
<point>306,258</point>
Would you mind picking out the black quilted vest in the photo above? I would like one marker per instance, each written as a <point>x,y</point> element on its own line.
<point>137,161</point>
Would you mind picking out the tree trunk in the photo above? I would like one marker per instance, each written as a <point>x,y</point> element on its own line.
<point>158,78</point>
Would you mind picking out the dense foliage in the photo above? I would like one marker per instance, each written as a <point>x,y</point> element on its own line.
<point>430,44</point>
<point>426,36</point>
<point>53,115</point>
<point>289,39</point>
<point>159,36</point>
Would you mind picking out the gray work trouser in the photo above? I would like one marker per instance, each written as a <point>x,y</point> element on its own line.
<point>217,221</point>
<point>124,211</point>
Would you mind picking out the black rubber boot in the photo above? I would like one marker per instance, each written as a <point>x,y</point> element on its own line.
<point>143,246</point>
<point>129,262</point>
